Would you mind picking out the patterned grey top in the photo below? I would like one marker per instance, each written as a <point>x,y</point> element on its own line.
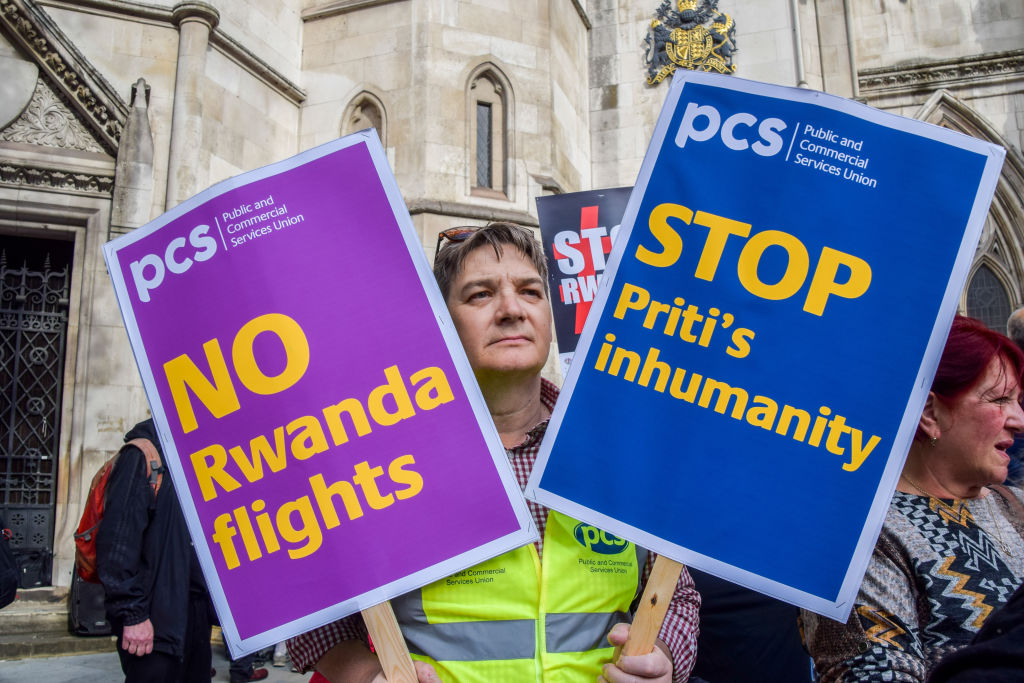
<point>939,568</point>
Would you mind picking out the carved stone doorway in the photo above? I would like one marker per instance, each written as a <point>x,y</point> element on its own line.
<point>35,280</point>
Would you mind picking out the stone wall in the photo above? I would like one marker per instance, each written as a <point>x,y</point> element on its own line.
<point>252,57</point>
<point>125,49</point>
<point>976,48</point>
<point>624,108</point>
<point>890,33</point>
<point>347,53</point>
<point>418,61</point>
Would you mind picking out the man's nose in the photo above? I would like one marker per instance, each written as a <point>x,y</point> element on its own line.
<point>509,305</point>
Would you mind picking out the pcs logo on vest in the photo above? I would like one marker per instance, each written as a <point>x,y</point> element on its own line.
<point>592,538</point>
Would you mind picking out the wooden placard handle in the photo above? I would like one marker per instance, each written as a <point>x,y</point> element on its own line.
<point>653,605</point>
<point>389,643</point>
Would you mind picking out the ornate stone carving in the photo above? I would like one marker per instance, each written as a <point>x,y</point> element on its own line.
<point>942,74</point>
<point>36,32</point>
<point>47,121</point>
<point>89,183</point>
<point>695,36</point>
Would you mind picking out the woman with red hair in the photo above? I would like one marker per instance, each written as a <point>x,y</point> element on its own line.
<point>951,549</point>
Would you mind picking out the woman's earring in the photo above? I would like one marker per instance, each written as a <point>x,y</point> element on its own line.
<point>932,441</point>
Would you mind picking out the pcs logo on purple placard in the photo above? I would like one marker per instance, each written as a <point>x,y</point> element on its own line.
<point>203,246</point>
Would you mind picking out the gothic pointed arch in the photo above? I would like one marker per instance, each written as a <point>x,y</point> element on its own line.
<point>489,139</point>
<point>1001,249</point>
<point>987,294</point>
<point>366,110</point>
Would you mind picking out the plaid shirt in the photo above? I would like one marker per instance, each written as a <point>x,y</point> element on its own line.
<point>678,632</point>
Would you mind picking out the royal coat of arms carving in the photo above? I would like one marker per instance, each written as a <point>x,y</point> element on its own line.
<point>695,36</point>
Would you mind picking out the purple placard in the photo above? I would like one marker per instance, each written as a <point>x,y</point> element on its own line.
<point>291,312</point>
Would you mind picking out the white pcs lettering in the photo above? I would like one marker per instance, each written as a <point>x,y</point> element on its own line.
<point>735,130</point>
<point>149,271</point>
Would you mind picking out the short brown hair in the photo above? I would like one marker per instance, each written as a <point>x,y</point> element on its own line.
<point>449,260</point>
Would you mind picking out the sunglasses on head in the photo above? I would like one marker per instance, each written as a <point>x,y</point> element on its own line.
<point>456,235</point>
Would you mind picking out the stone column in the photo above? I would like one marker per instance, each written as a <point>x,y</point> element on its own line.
<point>133,175</point>
<point>195,20</point>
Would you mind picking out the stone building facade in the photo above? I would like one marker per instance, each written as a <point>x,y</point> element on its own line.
<point>112,111</point>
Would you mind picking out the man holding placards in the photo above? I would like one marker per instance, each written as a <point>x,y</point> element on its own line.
<point>544,610</point>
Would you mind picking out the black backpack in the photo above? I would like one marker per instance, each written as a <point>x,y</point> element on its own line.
<point>9,572</point>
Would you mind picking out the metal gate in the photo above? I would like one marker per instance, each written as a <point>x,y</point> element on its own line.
<point>33,333</point>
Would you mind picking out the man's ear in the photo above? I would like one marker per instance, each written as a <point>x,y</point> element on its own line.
<point>929,423</point>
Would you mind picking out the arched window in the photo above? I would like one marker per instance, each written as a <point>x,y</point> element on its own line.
<point>987,299</point>
<point>365,111</point>
<point>996,287</point>
<point>488,118</point>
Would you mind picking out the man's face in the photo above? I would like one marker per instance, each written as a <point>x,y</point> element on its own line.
<point>501,312</point>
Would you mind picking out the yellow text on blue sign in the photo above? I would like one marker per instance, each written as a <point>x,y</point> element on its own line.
<point>823,283</point>
<point>690,323</point>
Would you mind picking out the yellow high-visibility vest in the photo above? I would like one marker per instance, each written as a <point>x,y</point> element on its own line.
<point>518,619</point>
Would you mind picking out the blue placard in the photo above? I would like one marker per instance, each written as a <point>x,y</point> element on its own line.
<point>761,348</point>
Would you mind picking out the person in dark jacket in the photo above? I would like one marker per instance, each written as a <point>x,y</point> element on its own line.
<point>746,637</point>
<point>9,573</point>
<point>156,599</point>
<point>995,655</point>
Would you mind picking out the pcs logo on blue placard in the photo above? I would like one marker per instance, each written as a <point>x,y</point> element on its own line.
<point>702,122</point>
<point>592,538</point>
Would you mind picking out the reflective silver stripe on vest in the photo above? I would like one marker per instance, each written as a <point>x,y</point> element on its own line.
<point>465,641</point>
<point>641,562</point>
<point>583,631</point>
<point>580,632</point>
